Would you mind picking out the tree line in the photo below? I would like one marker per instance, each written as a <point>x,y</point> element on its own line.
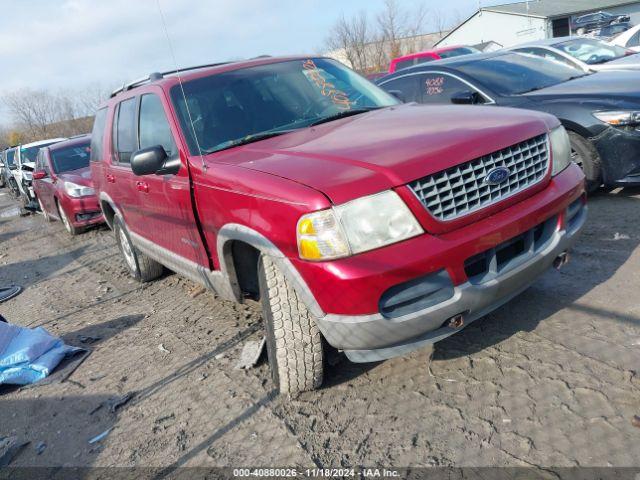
<point>369,42</point>
<point>38,114</point>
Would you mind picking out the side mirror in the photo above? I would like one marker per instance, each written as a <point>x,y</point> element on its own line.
<point>398,94</point>
<point>154,160</point>
<point>467,97</point>
<point>39,174</point>
<point>13,167</point>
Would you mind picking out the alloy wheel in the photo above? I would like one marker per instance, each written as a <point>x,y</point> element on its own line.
<point>127,249</point>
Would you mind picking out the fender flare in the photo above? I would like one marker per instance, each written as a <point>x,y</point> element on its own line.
<point>234,231</point>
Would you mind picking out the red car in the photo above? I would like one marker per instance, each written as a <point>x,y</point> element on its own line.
<point>378,227</point>
<point>63,186</point>
<point>429,56</point>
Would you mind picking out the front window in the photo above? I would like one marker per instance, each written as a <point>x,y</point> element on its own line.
<point>228,109</point>
<point>10,157</point>
<point>71,158</point>
<point>29,154</point>
<point>456,52</point>
<point>516,73</point>
<point>591,52</point>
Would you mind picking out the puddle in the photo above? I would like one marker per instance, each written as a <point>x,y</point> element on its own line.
<point>10,212</point>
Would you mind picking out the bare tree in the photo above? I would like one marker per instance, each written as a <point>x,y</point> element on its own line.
<point>397,24</point>
<point>351,37</point>
<point>40,114</point>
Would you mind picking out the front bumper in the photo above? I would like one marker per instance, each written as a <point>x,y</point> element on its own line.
<point>620,155</point>
<point>82,211</point>
<point>374,337</point>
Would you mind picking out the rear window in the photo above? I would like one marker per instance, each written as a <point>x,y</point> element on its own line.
<point>404,64</point>
<point>456,52</point>
<point>97,135</point>
<point>126,131</point>
<point>71,158</point>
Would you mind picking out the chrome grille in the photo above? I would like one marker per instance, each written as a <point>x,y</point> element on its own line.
<point>462,189</point>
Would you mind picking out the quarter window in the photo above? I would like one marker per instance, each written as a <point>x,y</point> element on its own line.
<point>126,141</point>
<point>635,40</point>
<point>97,135</point>
<point>154,127</point>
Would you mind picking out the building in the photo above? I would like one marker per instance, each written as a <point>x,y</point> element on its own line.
<point>515,23</point>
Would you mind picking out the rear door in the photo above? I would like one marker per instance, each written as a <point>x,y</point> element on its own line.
<point>164,201</point>
<point>44,187</point>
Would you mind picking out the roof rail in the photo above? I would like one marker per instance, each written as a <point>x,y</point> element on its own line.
<point>78,136</point>
<point>152,77</point>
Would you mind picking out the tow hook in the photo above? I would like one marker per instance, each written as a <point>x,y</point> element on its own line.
<point>457,321</point>
<point>561,260</point>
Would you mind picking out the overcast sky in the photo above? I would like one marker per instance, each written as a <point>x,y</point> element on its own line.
<point>72,43</point>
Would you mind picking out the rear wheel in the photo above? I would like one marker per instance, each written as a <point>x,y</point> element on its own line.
<point>140,266</point>
<point>66,222</point>
<point>294,342</point>
<point>585,155</point>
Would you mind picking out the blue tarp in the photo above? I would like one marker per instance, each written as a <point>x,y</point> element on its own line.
<point>28,355</point>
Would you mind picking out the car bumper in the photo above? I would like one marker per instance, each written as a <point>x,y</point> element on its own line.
<point>83,211</point>
<point>620,155</point>
<point>378,336</point>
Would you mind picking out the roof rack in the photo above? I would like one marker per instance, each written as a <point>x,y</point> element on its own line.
<point>152,77</point>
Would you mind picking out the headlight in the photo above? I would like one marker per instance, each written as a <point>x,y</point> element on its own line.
<point>357,226</point>
<point>560,149</point>
<point>619,118</point>
<point>75,190</point>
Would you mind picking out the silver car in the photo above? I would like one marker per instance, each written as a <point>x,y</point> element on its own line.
<point>587,54</point>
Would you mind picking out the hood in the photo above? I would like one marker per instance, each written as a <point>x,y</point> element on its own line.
<point>81,176</point>
<point>630,62</point>
<point>599,86</point>
<point>375,151</point>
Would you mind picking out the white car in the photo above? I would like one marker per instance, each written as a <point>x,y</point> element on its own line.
<point>25,158</point>
<point>629,39</point>
<point>586,54</point>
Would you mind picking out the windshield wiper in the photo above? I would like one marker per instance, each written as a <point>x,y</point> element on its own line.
<point>255,137</point>
<point>344,114</point>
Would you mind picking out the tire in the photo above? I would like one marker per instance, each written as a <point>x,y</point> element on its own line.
<point>73,231</point>
<point>586,156</point>
<point>140,266</point>
<point>294,342</point>
<point>45,214</point>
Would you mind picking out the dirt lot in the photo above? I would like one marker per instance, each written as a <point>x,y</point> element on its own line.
<point>551,379</point>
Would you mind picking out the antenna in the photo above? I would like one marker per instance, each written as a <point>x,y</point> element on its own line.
<point>186,104</point>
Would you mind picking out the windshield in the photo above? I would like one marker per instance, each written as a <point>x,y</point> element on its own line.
<point>71,158</point>
<point>456,52</point>
<point>517,73</point>
<point>229,107</point>
<point>29,154</point>
<point>591,51</point>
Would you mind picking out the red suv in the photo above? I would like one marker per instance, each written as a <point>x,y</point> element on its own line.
<point>375,226</point>
<point>63,186</point>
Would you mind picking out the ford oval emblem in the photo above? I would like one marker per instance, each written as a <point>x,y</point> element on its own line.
<point>497,176</point>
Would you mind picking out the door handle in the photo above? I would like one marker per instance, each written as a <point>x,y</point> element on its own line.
<point>142,187</point>
<point>111,178</point>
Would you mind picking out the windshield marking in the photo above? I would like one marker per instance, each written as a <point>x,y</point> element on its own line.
<point>338,97</point>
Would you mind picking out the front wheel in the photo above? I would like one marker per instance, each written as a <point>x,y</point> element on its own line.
<point>585,155</point>
<point>294,342</point>
<point>140,266</point>
<point>45,214</point>
<point>66,222</point>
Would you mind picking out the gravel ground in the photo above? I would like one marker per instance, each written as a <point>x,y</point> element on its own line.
<point>550,379</point>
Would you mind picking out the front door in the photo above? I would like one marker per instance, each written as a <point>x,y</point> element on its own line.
<point>164,201</point>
